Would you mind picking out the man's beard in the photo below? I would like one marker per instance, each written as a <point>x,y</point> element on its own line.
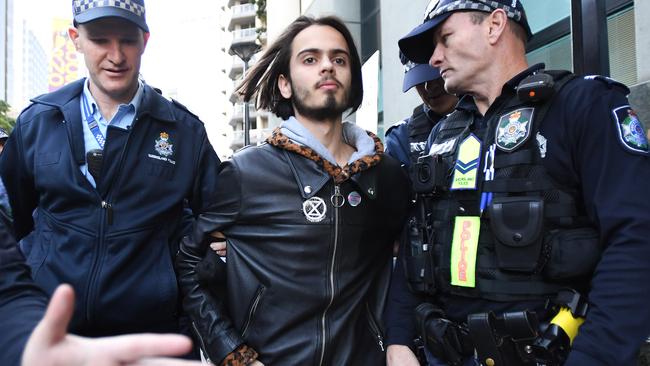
<point>330,110</point>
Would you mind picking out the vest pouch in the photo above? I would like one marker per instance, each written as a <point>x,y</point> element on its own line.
<point>573,253</point>
<point>418,262</point>
<point>517,223</point>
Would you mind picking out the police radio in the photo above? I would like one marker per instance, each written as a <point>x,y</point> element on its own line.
<point>536,88</point>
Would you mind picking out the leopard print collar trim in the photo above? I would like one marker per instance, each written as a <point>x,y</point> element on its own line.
<point>339,174</point>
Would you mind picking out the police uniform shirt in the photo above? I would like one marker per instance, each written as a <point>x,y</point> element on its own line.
<point>586,143</point>
<point>123,119</point>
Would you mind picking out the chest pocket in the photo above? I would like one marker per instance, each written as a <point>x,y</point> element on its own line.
<point>48,158</point>
<point>161,169</point>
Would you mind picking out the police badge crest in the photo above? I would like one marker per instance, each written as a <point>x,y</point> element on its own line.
<point>514,128</point>
<point>164,145</point>
<point>631,130</point>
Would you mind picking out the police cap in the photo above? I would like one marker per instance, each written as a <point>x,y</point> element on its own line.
<point>418,45</point>
<point>85,11</point>
<point>415,74</point>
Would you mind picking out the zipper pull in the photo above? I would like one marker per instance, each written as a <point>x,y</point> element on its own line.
<point>337,199</point>
<point>109,211</point>
<point>381,343</point>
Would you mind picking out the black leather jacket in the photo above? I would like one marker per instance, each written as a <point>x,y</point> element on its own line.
<point>299,291</point>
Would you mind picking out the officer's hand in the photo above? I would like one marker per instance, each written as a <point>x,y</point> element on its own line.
<point>397,355</point>
<point>219,244</point>
<point>50,345</point>
<point>256,363</point>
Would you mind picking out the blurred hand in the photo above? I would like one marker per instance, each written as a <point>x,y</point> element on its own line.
<point>256,363</point>
<point>50,345</point>
<point>397,355</point>
<point>219,245</point>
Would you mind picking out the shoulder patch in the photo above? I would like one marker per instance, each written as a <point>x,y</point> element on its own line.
<point>184,108</point>
<point>631,131</point>
<point>611,83</point>
<point>513,128</point>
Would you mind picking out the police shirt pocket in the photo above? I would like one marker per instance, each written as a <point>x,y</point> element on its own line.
<point>48,158</point>
<point>160,169</point>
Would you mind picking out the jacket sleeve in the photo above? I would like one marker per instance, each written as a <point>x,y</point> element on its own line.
<point>204,189</point>
<point>207,309</point>
<point>614,183</point>
<point>22,303</point>
<point>400,309</point>
<point>19,182</point>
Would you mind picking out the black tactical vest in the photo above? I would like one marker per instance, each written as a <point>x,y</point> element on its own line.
<point>534,237</point>
<point>419,128</point>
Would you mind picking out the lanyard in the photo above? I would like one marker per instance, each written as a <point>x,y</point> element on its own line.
<point>92,124</point>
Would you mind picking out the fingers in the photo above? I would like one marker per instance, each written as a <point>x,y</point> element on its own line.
<point>219,248</point>
<point>218,235</point>
<point>54,325</point>
<point>131,348</point>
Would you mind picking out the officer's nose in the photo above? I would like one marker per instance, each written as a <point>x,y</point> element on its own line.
<point>115,53</point>
<point>436,57</point>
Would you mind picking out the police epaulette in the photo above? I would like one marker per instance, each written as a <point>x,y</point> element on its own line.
<point>179,105</point>
<point>611,83</point>
<point>394,126</point>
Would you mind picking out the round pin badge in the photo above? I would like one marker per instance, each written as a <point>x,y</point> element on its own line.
<point>354,198</point>
<point>314,209</point>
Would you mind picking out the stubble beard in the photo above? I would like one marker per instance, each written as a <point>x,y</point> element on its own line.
<point>331,109</point>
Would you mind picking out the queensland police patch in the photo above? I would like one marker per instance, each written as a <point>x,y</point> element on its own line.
<point>514,128</point>
<point>631,131</point>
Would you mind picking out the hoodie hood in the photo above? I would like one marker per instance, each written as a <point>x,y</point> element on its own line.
<point>293,136</point>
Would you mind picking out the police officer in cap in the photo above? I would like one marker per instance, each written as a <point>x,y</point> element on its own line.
<point>538,237</point>
<point>406,139</point>
<point>98,173</point>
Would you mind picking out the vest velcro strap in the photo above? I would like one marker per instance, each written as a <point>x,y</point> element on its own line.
<point>523,157</point>
<point>517,288</point>
<point>557,210</point>
<point>516,185</point>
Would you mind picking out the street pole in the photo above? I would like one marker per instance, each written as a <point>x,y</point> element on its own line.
<point>247,122</point>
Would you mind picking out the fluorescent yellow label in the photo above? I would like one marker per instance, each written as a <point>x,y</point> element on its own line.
<point>463,251</point>
<point>467,163</point>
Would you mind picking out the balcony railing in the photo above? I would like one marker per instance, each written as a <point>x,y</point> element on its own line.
<point>241,14</point>
<point>245,33</point>
<point>238,10</point>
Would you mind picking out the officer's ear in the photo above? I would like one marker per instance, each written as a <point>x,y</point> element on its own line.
<point>73,33</point>
<point>284,84</point>
<point>496,24</point>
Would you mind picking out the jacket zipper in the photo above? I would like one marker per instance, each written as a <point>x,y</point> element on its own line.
<point>375,329</point>
<point>252,311</point>
<point>204,349</point>
<point>337,192</point>
<point>107,213</point>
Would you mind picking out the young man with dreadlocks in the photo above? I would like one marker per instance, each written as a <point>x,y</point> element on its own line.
<point>310,218</point>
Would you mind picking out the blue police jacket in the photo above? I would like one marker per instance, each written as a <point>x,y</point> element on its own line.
<point>590,142</point>
<point>115,243</point>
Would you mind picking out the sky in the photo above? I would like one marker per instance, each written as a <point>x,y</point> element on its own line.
<point>181,57</point>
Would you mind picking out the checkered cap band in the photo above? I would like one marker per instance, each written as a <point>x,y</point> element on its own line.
<point>475,5</point>
<point>82,5</point>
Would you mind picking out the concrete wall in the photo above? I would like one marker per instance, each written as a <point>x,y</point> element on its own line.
<point>397,19</point>
<point>348,11</point>
<point>640,93</point>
